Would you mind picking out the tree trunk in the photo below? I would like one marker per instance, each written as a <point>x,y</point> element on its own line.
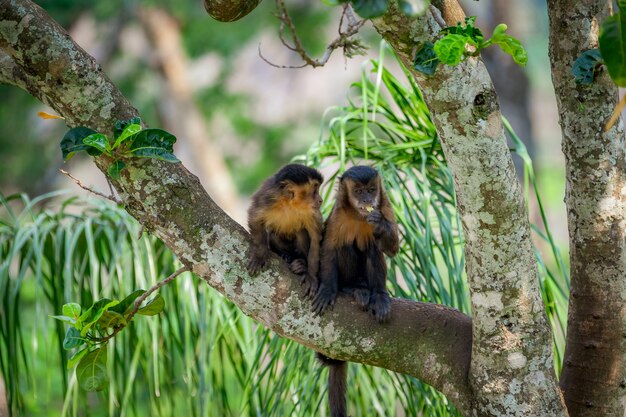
<point>594,371</point>
<point>511,372</point>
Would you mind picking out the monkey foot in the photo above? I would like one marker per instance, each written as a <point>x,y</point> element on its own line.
<point>255,265</point>
<point>324,300</point>
<point>298,266</point>
<point>380,307</point>
<point>309,285</point>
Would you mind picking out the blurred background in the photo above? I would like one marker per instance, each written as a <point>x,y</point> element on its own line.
<point>237,120</point>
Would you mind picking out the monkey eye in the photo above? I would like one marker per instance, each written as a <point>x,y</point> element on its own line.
<point>371,190</point>
<point>359,191</point>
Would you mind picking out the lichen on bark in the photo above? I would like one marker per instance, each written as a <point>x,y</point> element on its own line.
<point>594,369</point>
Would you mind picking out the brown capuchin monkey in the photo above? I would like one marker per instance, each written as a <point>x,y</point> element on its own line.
<point>360,230</point>
<point>285,217</point>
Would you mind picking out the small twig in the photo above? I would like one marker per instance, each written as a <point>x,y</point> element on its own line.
<point>350,46</point>
<point>138,303</point>
<point>91,190</point>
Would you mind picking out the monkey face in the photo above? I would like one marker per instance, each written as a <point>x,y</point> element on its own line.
<point>364,197</point>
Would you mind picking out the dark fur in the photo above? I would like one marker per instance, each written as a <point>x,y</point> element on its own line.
<point>360,230</point>
<point>284,217</point>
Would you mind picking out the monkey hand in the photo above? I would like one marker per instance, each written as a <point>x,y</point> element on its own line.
<point>374,217</point>
<point>298,266</point>
<point>324,299</point>
<point>309,285</point>
<point>380,306</point>
<point>255,265</point>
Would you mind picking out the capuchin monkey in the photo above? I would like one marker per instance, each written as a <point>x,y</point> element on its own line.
<point>285,217</point>
<point>360,230</point>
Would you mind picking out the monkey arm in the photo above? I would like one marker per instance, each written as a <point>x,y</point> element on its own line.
<point>385,233</point>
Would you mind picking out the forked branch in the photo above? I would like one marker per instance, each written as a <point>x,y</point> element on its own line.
<point>349,26</point>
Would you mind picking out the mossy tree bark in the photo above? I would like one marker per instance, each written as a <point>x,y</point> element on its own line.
<point>594,369</point>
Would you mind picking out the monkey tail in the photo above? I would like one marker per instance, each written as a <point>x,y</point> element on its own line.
<point>337,381</point>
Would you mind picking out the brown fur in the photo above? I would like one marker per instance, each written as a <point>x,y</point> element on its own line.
<point>284,217</point>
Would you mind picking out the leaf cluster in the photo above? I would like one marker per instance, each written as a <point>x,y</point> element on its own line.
<point>129,140</point>
<point>465,40</point>
<point>90,329</point>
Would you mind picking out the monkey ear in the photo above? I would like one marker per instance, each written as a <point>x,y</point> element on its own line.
<point>287,189</point>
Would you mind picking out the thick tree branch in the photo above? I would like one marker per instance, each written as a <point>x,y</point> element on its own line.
<point>594,368</point>
<point>511,372</point>
<point>430,342</point>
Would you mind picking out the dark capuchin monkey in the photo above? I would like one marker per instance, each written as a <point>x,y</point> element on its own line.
<point>285,217</point>
<point>360,230</point>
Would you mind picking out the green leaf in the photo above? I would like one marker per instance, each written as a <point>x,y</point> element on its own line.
<point>128,131</point>
<point>412,8</point>
<point>466,29</point>
<point>613,46</point>
<point>98,141</point>
<point>72,339</point>
<point>154,143</point>
<point>72,142</point>
<point>66,319</point>
<point>72,310</point>
<point>127,303</point>
<point>369,9</point>
<point>154,307</point>
<point>426,60</point>
<point>509,44</point>
<point>586,65</point>
<point>121,125</point>
<point>115,169</point>
<point>110,319</point>
<point>71,362</point>
<point>91,371</point>
<point>91,316</point>
<point>451,48</point>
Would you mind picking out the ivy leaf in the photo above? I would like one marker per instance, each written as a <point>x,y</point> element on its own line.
<point>98,141</point>
<point>115,169</point>
<point>154,307</point>
<point>91,371</point>
<point>509,44</point>
<point>72,142</point>
<point>368,9</point>
<point>411,8</point>
<point>71,362</point>
<point>451,48</point>
<point>120,125</point>
<point>586,65</point>
<point>154,143</point>
<point>128,131</point>
<point>613,45</point>
<point>124,306</point>
<point>72,339</point>
<point>426,60</point>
